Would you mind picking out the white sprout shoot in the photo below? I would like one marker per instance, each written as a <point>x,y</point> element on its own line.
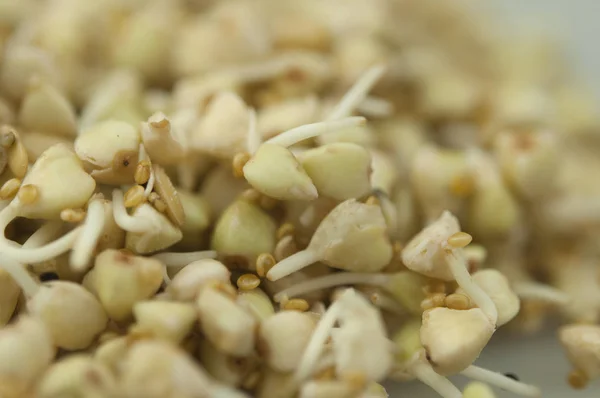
<point>357,93</point>
<point>301,133</point>
<point>332,280</point>
<point>440,384</point>
<point>32,254</point>
<point>124,220</point>
<point>92,229</point>
<point>540,292</point>
<point>388,209</point>
<point>459,269</point>
<point>293,263</point>
<point>182,259</point>
<point>377,107</point>
<point>18,272</point>
<point>150,183</point>
<point>315,346</point>
<point>46,233</point>
<point>501,381</point>
<point>254,138</point>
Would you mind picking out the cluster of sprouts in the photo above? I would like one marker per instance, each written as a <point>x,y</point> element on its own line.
<point>282,199</point>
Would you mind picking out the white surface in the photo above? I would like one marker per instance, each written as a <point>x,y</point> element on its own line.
<point>539,359</point>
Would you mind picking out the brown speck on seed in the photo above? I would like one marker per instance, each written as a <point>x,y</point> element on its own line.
<point>142,172</point>
<point>10,189</point>
<point>577,379</point>
<point>164,187</point>
<point>124,160</point>
<point>459,240</point>
<point>286,229</point>
<point>264,262</point>
<point>28,194</point>
<point>72,215</point>
<point>296,304</point>
<point>248,282</point>
<point>238,163</point>
<point>134,196</point>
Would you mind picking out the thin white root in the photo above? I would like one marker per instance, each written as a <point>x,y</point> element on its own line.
<point>254,138</point>
<point>331,280</point>
<point>375,107</point>
<point>36,254</point>
<point>458,267</point>
<point>357,93</point>
<point>183,259</point>
<point>315,346</point>
<point>501,381</point>
<point>124,220</point>
<point>46,233</point>
<point>18,272</point>
<point>540,292</point>
<point>291,264</point>
<point>295,135</point>
<point>425,373</point>
<point>92,228</point>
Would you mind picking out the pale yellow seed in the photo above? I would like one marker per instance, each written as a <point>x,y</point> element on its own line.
<point>238,163</point>
<point>459,240</point>
<point>10,188</point>
<point>264,262</point>
<point>296,305</point>
<point>457,301</point>
<point>153,197</point>
<point>160,205</point>
<point>286,229</point>
<point>134,196</point>
<point>577,379</point>
<point>248,282</point>
<point>357,380</point>
<point>28,194</point>
<point>142,172</point>
<point>72,215</point>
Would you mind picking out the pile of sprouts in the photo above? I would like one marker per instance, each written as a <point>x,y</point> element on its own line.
<point>286,199</point>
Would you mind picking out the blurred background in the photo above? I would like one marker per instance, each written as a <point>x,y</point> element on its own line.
<point>539,360</point>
